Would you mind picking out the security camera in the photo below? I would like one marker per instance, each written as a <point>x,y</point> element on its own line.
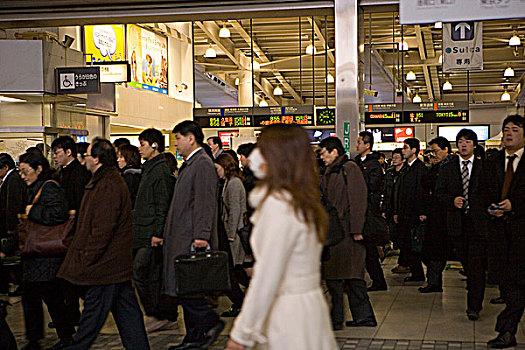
<point>68,41</point>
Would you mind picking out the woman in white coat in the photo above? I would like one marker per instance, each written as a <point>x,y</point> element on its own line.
<point>284,307</point>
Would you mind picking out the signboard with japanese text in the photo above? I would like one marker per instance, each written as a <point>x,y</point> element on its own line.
<point>462,46</point>
<point>223,117</point>
<point>226,137</point>
<point>412,113</point>
<point>430,11</point>
<point>148,57</point>
<point>104,43</point>
<point>114,72</point>
<point>77,80</point>
<point>302,115</point>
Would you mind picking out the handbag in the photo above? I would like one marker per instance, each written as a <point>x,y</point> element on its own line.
<point>41,240</point>
<point>202,272</point>
<point>376,230</point>
<point>416,234</point>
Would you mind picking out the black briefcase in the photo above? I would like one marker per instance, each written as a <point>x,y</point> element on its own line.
<point>202,272</point>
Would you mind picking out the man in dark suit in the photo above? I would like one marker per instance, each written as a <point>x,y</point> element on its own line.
<point>502,202</point>
<point>411,209</point>
<point>12,202</point>
<point>456,191</point>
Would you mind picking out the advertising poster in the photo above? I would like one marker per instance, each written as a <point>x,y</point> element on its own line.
<point>105,43</point>
<point>148,57</point>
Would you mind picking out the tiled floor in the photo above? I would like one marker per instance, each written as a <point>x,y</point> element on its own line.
<point>406,319</point>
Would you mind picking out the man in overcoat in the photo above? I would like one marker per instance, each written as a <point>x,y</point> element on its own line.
<point>99,258</point>
<point>345,187</point>
<point>502,202</point>
<point>191,220</point>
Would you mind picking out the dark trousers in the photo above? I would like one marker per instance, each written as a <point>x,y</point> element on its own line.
<point>4,278</point>
<point>373,265</point>
<point>120,299</point>
<point>199,318</point>
<point>48,292</point>
<point>413,259</point>
<point>237,277</point>
<point>509,318</point>
<point>435,272</point>
<point>71,295</point>
<point>360,306</point>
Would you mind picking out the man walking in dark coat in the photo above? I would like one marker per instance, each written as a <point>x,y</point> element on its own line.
<point>411,209</point>
<point>73,177</point>
<point>100,255</point>
<point>368,161</point>
<point>12,202</point>
<point>192,221</point>
<point>457,189</point>
<point>502,194</point>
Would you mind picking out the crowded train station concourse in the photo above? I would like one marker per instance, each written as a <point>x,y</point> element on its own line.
<point>262,174</point>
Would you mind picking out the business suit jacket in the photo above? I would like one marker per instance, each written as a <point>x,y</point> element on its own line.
<point>505,236</point>
<point>412,196</point>
<point>192,214</point>
<point>13,198</point>
<point>73,178</point>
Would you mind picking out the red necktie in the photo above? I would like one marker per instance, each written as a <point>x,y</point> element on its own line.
<point>508,176</point>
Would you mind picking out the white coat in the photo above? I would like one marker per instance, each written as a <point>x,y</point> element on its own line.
<point>284,307</point>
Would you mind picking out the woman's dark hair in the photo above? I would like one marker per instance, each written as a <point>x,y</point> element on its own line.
<point>171,161</point>
<point>104,151</point>
<point>66,143</point>
<point>442,143</point>
<point>6,161</point>
<point>230,166</point>
<point>153,136</point>
<point>131,155</point>
<point>120,141</point>
<point>34,160</point>
<point>233,154</point>
<point>291,167</point>
<point>331,143</point>
<point>190,127</point>
<point>467,134</point>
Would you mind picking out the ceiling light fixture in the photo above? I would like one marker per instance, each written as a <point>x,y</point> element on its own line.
<point>311,50</point>
<point>237,81</point>
<point>411,76</point>
<point>515,40</point>
<point>505,96</point>
<point>10,99</point>
<point>447,86</point>
<point>256,65</point>
<point>210,52</point>
<point>438,25</point>
<point>440,59</point>
<point>224,32</point>
<point>417,98</point>
<point>402,46</point>
<point>330,78</point>
<point>278,91</point>
<point>509,72</point>
<point>263,103</point>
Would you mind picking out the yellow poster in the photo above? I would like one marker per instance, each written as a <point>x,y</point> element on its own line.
<point>104,42</point>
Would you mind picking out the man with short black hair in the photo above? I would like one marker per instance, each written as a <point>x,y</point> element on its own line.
<point>121,141</point>
<point>100,256</point>
<point>12,202</point>
<point>215,144</point>
<point>502,190</point>
<point>192,221</point>
<point>368,161</point>
<point>411,208</point>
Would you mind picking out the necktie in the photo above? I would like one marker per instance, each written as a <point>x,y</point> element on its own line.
<point>465,180</point>
<point>182,167</point>
<point>508,176</point>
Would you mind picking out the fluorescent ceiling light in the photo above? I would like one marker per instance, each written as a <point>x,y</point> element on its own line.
<point>10,99</point>
<point>505,96</point>
<point>447,86</point>
<point>514,40</point>
<point>210,53</point>
<point>416,99</point>
<point>509,72</point>
<point>438,25</point>
<point>237,81</point>
<point>277,91</point>
<point>263,103</point>
<point>256,65</point>
<point>224,33</point>
<point>440,59</point>
<point>411,76</point>
<point>402,46</point>
<point>311,50</point>
<point>330,78</point>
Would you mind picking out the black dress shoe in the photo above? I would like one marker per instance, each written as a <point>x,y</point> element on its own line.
<point>375,288</point>
<point>361,323</point>
<point>213,334</point>
<point>502,341</point>
<point>61,345</point>
<point>414,279</point>
<point>430,289</point>
<point>233,312</point>
<point>498,300</point>
<point>473,315</point>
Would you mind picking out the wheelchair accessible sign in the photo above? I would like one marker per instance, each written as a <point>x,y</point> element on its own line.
<point>78,80</point>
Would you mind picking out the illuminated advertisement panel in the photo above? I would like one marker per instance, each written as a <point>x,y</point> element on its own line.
<point>104,43</point>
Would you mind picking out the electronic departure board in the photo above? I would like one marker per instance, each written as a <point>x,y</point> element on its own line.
<point>223,117</point>
<point>382,117</point>
<point>456,116</point>
<point>325,116</point>
<point>302,115</point>
<point>413,113</point>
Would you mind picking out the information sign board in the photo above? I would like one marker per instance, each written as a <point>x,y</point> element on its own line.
<point>77,80</point>
<point>114,72</point>
<point>432,112</point>
<point>223,117</point>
